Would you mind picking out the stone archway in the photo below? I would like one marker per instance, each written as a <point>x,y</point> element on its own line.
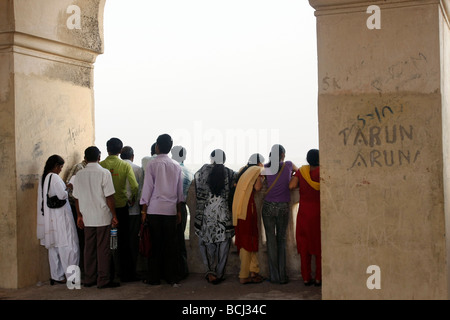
<point>383,133</point>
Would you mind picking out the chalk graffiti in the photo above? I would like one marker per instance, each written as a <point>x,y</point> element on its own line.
<point>376,135</point>
<point>384,158</point>
<point>380,145</point>
<point>377,114</point>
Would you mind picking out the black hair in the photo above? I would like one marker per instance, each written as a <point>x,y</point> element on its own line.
<point>153,149</point>
<point>254,160</point>
<point>91,154</point>
<point>50,164</point>
<point>114,145</point>
<point>178,153</point>
<point>313,157</point>
<point>216,179</point>
<point>276,153</point>
<point>164,143</point>
<point>127,153</point>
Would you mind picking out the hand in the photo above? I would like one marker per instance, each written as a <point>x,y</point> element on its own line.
<point>114,222</point>
<point>178,217</point>
<point>80,223</point>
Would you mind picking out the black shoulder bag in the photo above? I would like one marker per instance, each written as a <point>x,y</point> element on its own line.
<point>54,202</point>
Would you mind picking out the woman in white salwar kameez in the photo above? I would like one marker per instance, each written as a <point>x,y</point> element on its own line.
<point>56,228</point>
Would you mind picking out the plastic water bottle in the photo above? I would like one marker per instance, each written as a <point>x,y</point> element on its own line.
<point>113,239</point>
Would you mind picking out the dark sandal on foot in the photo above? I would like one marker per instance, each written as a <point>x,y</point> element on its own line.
<point>257,278</point>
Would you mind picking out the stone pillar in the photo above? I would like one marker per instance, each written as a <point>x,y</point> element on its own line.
<point>383,135</point>
<point>47,51</point>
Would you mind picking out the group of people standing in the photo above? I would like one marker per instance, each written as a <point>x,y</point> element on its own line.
<point>116,193</point>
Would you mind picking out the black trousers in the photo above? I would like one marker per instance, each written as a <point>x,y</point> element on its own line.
<point>183,269</point>
<point>162,263</point>
<point>123,262</point>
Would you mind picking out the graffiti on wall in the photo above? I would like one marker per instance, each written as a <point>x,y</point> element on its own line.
<point>380,142</point>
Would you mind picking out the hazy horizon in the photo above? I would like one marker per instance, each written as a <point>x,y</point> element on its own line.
<point>236,75</point>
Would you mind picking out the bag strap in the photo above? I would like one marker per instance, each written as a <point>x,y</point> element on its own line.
<point>42,207</point>
<point>50,179</point>
<point>276,179</point>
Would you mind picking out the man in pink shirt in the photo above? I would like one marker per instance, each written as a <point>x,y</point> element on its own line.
<point>162,195</point>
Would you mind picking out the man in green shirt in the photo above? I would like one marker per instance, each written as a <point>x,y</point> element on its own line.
<point>122,172</point>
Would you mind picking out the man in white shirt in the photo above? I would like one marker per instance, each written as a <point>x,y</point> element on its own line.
<point>93,191</point>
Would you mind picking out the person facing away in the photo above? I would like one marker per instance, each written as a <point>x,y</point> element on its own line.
<point>307,232</point>
<point>69,179</point>
<point>127,155</point>
<point>93,191</point>
<point>56,228</point>
<point>179,155</point>
<point>245,219</point>
<point>275,211</point>
<point>147,159</point>
<point>162,196</point>
<point>121,172</point>
<point>213,219</point>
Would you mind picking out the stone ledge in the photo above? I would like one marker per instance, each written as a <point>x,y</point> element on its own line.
<point>324,7</point>
<point>45,48</point>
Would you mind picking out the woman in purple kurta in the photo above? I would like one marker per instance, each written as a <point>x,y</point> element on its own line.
<point>275,211</point>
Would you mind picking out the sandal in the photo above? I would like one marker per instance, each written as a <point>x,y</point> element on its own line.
<point>254,279</point>
<point>53,282</point>
<point>211,278</point>
<point>308,283</point>
<point>246,280</point>
<point>257,278</point>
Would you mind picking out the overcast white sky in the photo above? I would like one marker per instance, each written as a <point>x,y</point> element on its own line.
<point>240,75</point>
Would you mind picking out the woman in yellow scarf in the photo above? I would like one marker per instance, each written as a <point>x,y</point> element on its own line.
<point>308,218</point>
<point>245,219</point>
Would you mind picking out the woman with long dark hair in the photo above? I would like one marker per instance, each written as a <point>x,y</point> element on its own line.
<point>56,228</point>
<point>275,211</point>
<point>213,220</point>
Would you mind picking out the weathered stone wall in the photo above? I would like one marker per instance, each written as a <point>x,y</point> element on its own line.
<point>47,107</point>
<point>445,92</point>
<point>381,140</point>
